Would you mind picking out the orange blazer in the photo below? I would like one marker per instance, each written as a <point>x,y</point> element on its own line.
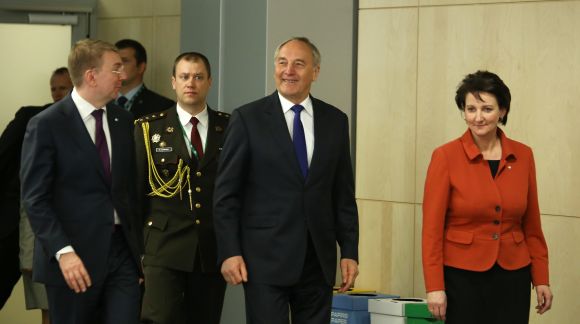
<point>471,220</point>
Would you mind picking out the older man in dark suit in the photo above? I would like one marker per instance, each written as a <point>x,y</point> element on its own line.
<point>285,196</point>
<point>77,188</point>
<point>134,95</point>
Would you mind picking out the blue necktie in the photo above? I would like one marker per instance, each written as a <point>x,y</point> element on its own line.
<point>299,140</point>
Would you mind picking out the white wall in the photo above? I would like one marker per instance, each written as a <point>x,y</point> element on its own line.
<point>29,56</point>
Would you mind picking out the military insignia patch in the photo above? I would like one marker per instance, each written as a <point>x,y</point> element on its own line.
<point>169,129</point>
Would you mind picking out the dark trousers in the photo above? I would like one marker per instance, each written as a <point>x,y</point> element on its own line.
<point>10,269</point>
<point>495,296</point>
<point>179,297</point>
<point>113,301</point>
<point>309,301</point>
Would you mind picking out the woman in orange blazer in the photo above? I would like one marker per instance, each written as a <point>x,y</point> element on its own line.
<point>483,244</point>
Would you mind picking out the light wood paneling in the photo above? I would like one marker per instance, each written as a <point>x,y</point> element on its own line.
<point>387,72</point>
<point>167,7</point>
<point>386,246</point>
<point>561,235</point>
<point>418,279</point>
<point>369,4</point>
<point>125,8</point>
<point>470,2</point>
<point>534,48</point>
<point>167,34</point>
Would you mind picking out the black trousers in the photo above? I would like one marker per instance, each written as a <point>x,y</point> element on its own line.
<point>10,269</point>
<point>309,301</point>
<point>179,297</point>
<point>116,300</point>
<point>496,296</point>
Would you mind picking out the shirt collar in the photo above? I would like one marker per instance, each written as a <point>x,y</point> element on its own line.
<point>85,108</point>
<point>472,151</point>
<point>185,117</point>
<point>131,93</point>
<point>287,104</point>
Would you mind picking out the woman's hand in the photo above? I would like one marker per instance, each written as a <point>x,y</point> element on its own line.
<point>437,303</point>
<point>545,297</point>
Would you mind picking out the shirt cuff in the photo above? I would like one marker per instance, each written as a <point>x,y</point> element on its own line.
<point>64,250</point>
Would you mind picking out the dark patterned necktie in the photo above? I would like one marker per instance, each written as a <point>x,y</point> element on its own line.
<point>299,140</point>
<point>101,143</point>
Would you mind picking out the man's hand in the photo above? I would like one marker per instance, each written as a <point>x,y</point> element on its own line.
<point>234,270</point>
<point>349,271</point>
<point>437,304</point>
<point>74,272</point>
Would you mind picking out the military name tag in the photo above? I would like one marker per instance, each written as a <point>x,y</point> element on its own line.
<point>163,149</point>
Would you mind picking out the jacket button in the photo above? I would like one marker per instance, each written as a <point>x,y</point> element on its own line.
<point>197,189</point>
<point>495,236</point>
<point>497,209</point>
<point>197,205</point>
<point>496,222</point>
<point>198,174</point>
<point>197,221</point>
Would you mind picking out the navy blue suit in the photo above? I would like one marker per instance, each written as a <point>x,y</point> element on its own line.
<point>70,202</point>
<point>285,227</point>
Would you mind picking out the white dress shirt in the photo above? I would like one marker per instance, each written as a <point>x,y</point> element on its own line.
<point>202,126</point>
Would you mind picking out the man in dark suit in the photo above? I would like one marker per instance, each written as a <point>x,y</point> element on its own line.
<point>77,187</point>
<point>285,195</point>
<point>134,96</point>
<point>10,151</point>
<point>177,152</point>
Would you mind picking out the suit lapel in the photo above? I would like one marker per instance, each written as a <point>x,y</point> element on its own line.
<point>80,135</point>
<point>214,130</point>
<point>322,136</point>
<point>279,130</point>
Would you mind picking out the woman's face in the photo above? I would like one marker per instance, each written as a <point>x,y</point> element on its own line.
<point>482,116</point>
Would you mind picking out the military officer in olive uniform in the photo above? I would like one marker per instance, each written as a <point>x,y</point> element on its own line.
<point>177,154</point>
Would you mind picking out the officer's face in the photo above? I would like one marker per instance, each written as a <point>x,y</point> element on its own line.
<point>191,84</point>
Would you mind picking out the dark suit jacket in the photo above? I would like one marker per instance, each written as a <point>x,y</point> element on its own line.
<point>148,102</point>
<point>173,232</point>
<point>264,208</point>
<point>10,151</point>
<point>66,194</point>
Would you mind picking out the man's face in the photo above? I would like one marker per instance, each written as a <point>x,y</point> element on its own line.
<point>295,71</point>
<point>133,70</point>
<point>191,84</point>
<point>107,79</point>
<point>60,86</point>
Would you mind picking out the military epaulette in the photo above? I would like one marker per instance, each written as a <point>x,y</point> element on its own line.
<point>223,114</point>
<point>151,117</point>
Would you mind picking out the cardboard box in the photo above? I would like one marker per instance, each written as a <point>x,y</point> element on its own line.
<point>352,308</point>
<point>400,311</point>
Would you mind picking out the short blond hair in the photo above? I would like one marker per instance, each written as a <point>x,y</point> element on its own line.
<point>87,54</point>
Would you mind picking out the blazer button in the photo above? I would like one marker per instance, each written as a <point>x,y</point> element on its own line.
<point>497,209</point>
<point>495,236</point>
<point>197,222</point>
<point>197,205</point>
<point>496,222</point>
<point>198,174</point>
<point>149,223</point>
<point>197,189</point>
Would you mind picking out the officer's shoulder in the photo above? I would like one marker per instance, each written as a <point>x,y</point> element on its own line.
<point>151,118</point>
<point>222,114</point>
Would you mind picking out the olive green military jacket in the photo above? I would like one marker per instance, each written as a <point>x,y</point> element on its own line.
<point>175,191</point>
